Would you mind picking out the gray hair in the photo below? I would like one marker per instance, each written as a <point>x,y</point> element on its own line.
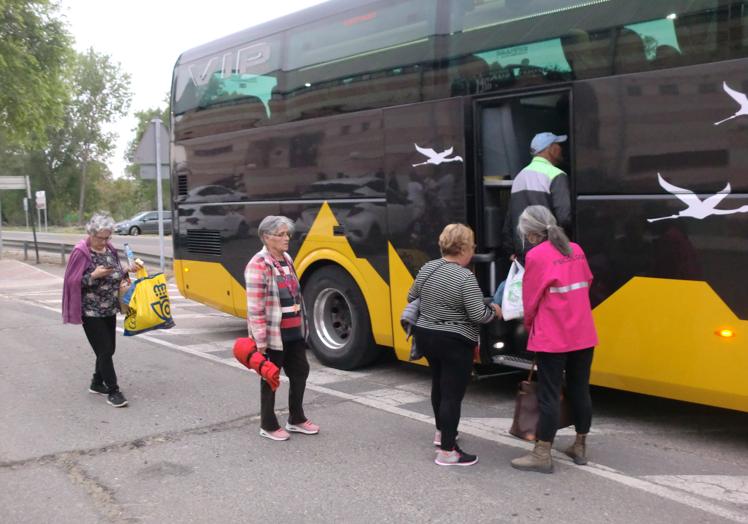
<point>539,220</point>
<point>100,221</point>
<point>271,223</point>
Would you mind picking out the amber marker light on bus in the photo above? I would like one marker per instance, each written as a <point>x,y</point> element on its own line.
<point>725,333</point>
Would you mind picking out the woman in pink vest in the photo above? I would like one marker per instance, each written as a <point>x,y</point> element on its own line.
<point>558,317</point>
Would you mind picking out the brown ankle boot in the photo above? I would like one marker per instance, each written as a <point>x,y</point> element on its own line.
<point>578,450</point>
<point>539,460</point>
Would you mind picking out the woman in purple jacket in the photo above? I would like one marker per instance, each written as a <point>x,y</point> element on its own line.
<point>558,318</point>
<point>90,296</point>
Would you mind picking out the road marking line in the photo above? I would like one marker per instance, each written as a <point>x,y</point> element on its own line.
<point>477,430</point>
<point>394,397</point>
<point>201,331</point>
<point>213,347</point>
<point>501,425</point>
<point>725,488</point>
<point>176,316</point>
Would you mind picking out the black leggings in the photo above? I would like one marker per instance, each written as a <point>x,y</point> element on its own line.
<point>293,361</point>
<point>451,360</point>
<point>551,367</point>
<point>101,334</point>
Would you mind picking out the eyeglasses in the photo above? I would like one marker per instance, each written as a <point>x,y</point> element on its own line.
<point>281,235</point>
<point>105,239</point>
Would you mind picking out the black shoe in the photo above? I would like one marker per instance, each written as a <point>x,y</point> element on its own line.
<point>101,389</point>
<point>456,457</point>
<point>116,399</point>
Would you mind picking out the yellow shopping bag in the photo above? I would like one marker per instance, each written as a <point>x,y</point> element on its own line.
<point>148,304</point>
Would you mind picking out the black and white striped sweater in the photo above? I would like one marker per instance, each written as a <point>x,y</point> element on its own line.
<point>451,299</point>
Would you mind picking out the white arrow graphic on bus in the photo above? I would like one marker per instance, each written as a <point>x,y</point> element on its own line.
<point>436,158</point>
<point>740,98</point>
<point>697,208</point>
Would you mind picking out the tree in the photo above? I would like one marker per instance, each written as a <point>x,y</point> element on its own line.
<point>34,50</point>
<point>101,94</point>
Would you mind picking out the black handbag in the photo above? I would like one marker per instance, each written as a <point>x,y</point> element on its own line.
<point>527,412</point>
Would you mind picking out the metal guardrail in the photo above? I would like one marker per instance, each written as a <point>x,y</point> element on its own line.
<point>65,249</point>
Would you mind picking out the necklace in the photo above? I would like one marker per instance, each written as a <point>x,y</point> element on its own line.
<point>291,283</point>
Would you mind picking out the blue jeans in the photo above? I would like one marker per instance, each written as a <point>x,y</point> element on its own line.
<point>499,295</point>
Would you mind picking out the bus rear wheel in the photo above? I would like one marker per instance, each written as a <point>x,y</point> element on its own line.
<point>340,331</point>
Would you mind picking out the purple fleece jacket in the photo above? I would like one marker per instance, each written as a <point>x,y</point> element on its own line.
<point>72,291</point>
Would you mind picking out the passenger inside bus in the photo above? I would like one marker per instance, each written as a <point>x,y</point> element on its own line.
<point>666,56</point>
<point>630,56</point>
<point>586,57</point>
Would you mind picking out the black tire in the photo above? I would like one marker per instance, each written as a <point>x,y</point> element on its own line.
<point>339,326</point>
<point>134,231</point>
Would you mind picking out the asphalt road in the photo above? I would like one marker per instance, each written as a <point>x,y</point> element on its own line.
<point>187,448</point>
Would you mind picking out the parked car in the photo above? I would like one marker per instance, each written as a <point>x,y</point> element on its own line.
<point>231,223</point>
<point>144,222</point>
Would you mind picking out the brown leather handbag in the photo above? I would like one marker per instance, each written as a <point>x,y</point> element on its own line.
<point>527,413</point>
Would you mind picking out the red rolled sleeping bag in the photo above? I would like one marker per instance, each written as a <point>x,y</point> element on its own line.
<point>246,352</point>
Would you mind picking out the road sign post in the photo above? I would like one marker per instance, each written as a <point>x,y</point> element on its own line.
<point>16,182</point>
<point>41,204</point>
<point>148,156</point>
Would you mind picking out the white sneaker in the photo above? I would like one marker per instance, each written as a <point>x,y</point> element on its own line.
<point>278,434</point>
<point>307,427</point>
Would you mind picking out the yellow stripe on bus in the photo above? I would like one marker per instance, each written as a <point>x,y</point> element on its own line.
<point>322,245</point>
<point>401,280</point>
<point>661,337</point>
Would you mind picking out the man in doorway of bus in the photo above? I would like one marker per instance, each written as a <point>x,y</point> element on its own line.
<point>277,323</point>
<point>541,182</point>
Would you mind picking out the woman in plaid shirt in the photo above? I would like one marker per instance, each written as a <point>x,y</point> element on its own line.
<point>276,322</point>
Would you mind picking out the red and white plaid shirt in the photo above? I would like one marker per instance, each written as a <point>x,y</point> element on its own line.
<point>263,301</point>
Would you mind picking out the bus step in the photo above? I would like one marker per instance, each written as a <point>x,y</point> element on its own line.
<point>512,361</point>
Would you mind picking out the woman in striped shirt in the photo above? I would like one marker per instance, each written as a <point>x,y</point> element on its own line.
<point>451,310</point>
<point>275,319</point>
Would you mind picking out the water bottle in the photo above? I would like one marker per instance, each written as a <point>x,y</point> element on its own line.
<point>130,255</point>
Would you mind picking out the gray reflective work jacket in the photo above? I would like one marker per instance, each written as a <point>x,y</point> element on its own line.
<point>540,183</point>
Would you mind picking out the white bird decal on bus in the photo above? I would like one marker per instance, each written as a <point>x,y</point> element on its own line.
<point>436,158</point>
<point>740,98</point>
<point>697,208</point>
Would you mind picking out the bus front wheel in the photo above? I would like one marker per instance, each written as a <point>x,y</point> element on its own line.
<point>338,319</point>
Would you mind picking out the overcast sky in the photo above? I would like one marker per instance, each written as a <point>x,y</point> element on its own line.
<point>147,36</point>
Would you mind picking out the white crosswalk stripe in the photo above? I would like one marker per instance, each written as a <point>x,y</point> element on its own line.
<point>724,488</point>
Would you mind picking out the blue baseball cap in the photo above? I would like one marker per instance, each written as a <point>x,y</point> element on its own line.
<point>542,140</point>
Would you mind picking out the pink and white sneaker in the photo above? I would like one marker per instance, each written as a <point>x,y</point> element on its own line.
<point>278,434</point>
<point>307,427</point>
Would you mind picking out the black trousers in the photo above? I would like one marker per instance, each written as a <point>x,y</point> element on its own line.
<point>101,334</point>
<point>292,360</point>
<point>551,367</point>
<point>451,360</point>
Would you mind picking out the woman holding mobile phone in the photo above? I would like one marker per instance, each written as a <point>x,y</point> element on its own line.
<point>90,297</point>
